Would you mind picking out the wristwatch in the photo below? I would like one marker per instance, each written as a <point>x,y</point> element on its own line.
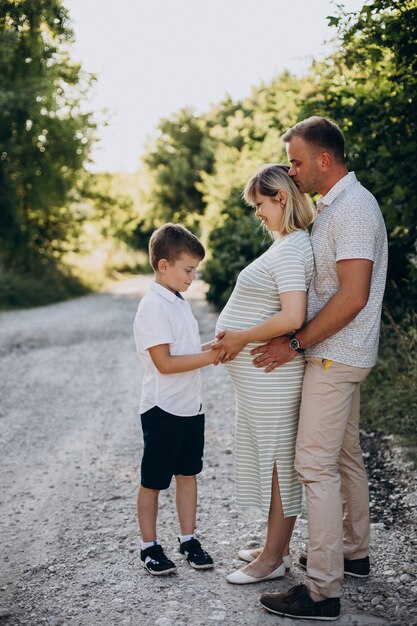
<point>295,344</point>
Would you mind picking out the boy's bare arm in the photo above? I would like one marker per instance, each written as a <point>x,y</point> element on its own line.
<point>166,363</point>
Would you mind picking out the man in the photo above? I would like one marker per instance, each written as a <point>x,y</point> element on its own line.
<point>340,340</point>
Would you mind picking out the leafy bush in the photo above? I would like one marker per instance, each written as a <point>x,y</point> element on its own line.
<point>45,133</point>
<point>44,286</point>
<point>368,87</point>
<point>388,395</point>
<point>236,241</point>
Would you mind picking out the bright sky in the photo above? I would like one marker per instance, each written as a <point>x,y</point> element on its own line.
<point>153,57</point>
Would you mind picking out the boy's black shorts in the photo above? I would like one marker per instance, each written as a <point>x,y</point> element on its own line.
<point>172,445</point>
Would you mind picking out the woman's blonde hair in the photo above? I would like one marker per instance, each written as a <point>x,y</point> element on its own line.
<point>267,181</point>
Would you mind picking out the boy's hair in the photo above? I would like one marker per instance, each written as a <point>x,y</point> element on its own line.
<point>267,181</point>
<point>321,133</point>
<point>172,240</point>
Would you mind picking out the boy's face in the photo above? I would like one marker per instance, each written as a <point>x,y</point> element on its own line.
<point>178,275</point>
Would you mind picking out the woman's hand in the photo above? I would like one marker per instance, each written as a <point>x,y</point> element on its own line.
<point>229,343</point>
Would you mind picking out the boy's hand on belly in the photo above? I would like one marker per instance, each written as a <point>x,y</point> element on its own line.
<point>229,343</point>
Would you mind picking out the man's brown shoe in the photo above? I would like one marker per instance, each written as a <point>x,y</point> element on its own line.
<point>297,603</point>
<point>359,568</point>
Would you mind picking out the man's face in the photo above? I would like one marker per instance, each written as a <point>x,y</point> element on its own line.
<point>305,170</point>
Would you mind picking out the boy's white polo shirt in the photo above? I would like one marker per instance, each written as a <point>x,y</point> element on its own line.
<point>164,317</point>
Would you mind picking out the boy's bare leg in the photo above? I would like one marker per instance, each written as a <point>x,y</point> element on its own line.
<point>147,510</point>
<point>278,536</point>
<point>186,500</point>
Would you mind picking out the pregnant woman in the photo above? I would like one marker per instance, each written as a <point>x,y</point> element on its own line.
<point>269,299</point>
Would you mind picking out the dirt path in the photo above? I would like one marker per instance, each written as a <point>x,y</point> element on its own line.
<point>69,455</point>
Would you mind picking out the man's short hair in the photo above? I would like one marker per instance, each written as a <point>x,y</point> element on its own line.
<point>321,133</point>
<point>172,240</point>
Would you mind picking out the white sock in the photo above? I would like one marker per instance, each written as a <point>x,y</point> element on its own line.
<point>186,537</point>
<point>148,544</point>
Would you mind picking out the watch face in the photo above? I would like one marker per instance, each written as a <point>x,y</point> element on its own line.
<point>294,344</point>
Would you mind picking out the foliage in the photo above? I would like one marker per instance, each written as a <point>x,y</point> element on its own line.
<point>108,206</point>
<point>174,162</point>
<point>367,84</point>
<point>236,241</point>
<point>42,286</point>
<point>388,396</point>
<point>45,137</point>
<point>369,87</point>
<point>185,176</point>
<point>107,243</point>
<point>250,135</point>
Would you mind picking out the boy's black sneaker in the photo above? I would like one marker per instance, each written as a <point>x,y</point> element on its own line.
<point>359,568</point>
<point>155,561</point>
<point>297,603</point>
<point>196,556</point>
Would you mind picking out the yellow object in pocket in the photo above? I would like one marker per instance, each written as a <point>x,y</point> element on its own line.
<point>326,363</point>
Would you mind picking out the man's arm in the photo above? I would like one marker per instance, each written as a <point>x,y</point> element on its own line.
<point>354,277</point>
<point>175,364</point>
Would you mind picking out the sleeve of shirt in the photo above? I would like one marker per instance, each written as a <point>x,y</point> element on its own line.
<point>152,326</point>
<point>355,233</point>
<point>288,268</point>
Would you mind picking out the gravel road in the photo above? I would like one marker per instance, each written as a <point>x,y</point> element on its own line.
<point>70,449</point>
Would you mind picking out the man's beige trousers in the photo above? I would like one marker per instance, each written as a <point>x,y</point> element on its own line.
<point>330,465</point>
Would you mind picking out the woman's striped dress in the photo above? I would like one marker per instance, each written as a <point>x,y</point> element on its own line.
<point>267,405</point>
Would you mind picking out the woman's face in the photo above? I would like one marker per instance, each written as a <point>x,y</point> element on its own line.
<point>270,210</point>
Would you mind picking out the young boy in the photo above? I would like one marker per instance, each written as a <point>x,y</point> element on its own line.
<point>171,407</point>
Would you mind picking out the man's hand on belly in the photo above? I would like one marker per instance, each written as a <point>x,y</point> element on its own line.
<point>274,353</point>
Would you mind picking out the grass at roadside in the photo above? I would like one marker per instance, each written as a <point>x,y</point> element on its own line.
<point>389,394</point>
<point>74,276</point>
<point>18,290</point>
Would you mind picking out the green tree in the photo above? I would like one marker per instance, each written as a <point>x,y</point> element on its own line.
<point>369,87</point>
<point>45,136</point>
<point>232,243</point>
<point>109,205</point>
<point>248,136</point>
<point>174,162</point>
